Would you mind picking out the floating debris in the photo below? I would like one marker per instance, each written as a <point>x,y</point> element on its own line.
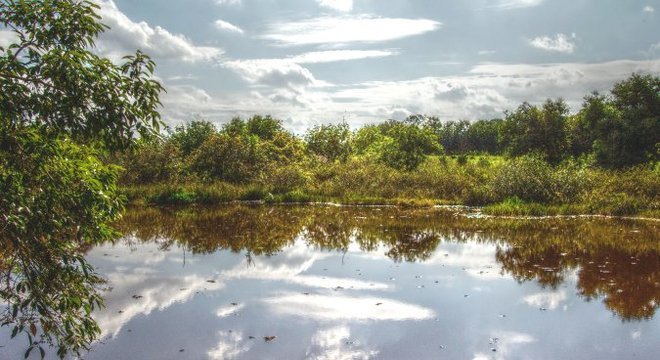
<point>234,304</point>
<point>210,281</point>
<point>182,350</point>
<point>270,338</point>
<point>137,297</point>
<point>251,337</point>
<point>379,304</point>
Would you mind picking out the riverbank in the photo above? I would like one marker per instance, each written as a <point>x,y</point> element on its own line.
<point>222,193</point>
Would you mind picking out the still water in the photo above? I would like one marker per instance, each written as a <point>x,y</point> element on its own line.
<point>285,282</point>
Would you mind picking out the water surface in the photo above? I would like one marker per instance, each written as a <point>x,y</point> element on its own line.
<point>284,282</point>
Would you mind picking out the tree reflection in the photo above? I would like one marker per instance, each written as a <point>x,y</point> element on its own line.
<point>617,261</point>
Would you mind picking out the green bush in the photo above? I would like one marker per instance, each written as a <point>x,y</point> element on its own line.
<point>527,177</point>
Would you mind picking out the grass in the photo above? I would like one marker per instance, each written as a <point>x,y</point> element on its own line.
<point>518,187</point>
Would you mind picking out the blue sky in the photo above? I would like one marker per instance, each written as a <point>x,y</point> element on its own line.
<point>318,61</point>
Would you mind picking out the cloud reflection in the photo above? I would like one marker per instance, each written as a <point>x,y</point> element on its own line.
<point>230,346</point>
<point>546,300</point>
<point>155,291</point>
<point>331,344</point>
<point>328,308</point>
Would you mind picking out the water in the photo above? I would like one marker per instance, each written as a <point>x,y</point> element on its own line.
<point>283,282</point>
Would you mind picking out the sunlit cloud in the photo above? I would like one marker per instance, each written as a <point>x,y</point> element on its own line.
<point>648,9</point>
<point>127,36</point>
<point>339,55</point>
<point>338,5</point>
<point>347,29</point>
<point>226,26</point>
<point>559,43</point>
<point>341,307</point>
<point>515,4</point>
<point>279,73</point>
<point>228,2</point>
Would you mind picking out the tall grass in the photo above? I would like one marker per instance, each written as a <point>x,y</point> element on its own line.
<point>522,186</point>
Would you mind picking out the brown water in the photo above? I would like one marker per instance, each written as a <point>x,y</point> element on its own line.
<point>385,283</point>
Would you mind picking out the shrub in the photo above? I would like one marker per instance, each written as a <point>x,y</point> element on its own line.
<point>527,177</point>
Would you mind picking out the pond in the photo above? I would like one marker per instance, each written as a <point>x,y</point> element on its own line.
<point>324,282</point>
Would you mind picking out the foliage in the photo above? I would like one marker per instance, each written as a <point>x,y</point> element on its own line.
<point>531,129</point>
<point>331,142</point>
<point>406,146</point>
<point>527,177</point>
<point>191,136</point>
<point>621,130</point>
<point>58,102</point>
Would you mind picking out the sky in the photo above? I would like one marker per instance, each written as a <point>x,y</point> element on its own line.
<point>309,62</point>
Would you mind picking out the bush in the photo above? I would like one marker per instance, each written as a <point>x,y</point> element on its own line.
<point>527,177</point>
<point>287,178</point>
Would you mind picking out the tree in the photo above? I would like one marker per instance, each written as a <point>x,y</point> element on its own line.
<point>531,129</point>
<point>192,135</point>
<point>332,142</point>
<point>406,146</point>
<point>61,106</point>
<point>622,129</point>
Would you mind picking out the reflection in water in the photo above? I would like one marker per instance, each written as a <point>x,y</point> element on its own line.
<point>346,307</point>
<point>618,261</point>
<point>330,344</point>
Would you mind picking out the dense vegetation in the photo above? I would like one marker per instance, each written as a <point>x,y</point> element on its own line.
<point>600,160</point>
<point>61,108</point>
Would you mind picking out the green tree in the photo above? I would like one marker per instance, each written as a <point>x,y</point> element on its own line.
<point>236,159</point>
<point>406,146</point>
<point>332,142</point>
<point>622,129</point>
<point>192,135</point>
<point>61,106</point>
<point>531,129</point>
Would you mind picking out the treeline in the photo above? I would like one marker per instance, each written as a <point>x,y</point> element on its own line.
<point>423,157</point>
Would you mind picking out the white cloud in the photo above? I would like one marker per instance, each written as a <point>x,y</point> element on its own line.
<point>515,4</point>
<point>648,9</point>
<point>126,36</point>
<point>559,43</point>
<point>226,26</point>
<point>339,5</point>
<point>347,29</point>
<point>228,2</point>
<point>339,55</point>
<point>7,37</point>
<point>278,73</point>
<point>483,92</point>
